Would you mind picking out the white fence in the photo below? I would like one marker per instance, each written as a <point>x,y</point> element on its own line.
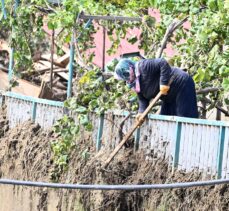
<point>189,144</point>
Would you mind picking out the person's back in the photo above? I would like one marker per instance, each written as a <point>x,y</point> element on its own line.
<point>148,77</point>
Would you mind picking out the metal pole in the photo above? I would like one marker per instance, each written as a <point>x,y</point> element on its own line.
<point>101,119</point>
<point>52,52</point>
<point>34,111</point>
<point>16,4</point>
<point>104,48</point>
<point>177,145</point>
<point>4,9</point>
<point>71,63</point>
<point>220,151</point>
<point>100,132</point>
<point>113,18</point>
<point>137,139</point>
<point>69,91</point>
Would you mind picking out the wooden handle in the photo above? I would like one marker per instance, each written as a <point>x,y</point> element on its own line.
<point>128,135</point>
<point>141,120</point>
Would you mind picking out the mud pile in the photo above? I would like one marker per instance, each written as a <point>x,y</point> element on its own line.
<point>132,168</point>
<point>25,154</point>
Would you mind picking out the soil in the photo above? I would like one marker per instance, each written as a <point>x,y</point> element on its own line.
<point>4,124</point>
<point>25,154</point>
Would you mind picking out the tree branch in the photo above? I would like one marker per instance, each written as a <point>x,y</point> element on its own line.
<point>169,32</point>
<point>172,27</point>
<point>43,9</point>
<point>216,106</point>
<point>208,90</point>
<point>80,58</point>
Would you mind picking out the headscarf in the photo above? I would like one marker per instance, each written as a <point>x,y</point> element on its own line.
<point>128,71</point>
<point>123,69</point>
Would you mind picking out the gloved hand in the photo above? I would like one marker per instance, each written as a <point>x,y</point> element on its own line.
<point>164,89</point>
<point>138,118</point>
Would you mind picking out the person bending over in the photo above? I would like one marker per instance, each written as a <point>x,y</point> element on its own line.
<point>149,76</point>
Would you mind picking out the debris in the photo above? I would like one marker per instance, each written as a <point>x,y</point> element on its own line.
<point>24,87</point>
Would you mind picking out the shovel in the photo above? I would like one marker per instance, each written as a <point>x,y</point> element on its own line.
<point>129,134</point>
<point>136,125</point>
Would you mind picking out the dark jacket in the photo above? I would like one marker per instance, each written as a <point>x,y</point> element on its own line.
<point>181,98</point>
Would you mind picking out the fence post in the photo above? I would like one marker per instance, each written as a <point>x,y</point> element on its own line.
<point>100,132</point>
<point>220,151</point>
<point>69,90</point>
<point>177,145</point>
<point>34,111</point>
<point>136,139</point>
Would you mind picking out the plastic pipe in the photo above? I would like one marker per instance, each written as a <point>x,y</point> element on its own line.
<point>114,187</point>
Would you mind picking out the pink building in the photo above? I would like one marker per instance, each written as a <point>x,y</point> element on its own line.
<point>125,46</point>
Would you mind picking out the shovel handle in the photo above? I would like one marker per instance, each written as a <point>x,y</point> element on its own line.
<point>141,120</point>
<point>128,135</point>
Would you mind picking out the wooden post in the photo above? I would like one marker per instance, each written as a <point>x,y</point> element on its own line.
<point>204,113</point>
<point>218,112</point>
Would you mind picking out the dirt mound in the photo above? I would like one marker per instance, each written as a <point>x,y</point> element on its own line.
<point>132,168</point>
<point>25,154</point>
